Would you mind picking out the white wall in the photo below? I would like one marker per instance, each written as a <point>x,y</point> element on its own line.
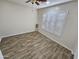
<point>16,19</point>
<point>69,37</point>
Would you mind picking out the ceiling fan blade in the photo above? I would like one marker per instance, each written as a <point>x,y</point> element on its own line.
<point>37,3</point>
<point>28,1</point>
<point>42,0</point>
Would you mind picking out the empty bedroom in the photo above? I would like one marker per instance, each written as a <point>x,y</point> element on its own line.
<point>38,29</point>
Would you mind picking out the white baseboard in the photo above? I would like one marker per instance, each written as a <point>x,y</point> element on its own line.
<point>1,56</point>
<point>57,41</point>
<point>76,54</point>
<point>0,39</point>
<point>13,34</point>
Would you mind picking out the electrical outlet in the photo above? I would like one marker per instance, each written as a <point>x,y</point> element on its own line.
<point>36,26</point>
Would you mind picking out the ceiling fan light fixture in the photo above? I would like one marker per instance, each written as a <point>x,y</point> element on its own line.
<point>37,2</point>
<point>42,0</point>
<point>47,2</point>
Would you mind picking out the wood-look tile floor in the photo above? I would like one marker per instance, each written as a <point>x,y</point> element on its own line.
<point>32,45</point>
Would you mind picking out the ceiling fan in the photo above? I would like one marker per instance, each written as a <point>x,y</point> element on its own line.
<point>36,1</point>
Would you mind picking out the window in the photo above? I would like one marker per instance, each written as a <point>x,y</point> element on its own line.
<point>54,22</point>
